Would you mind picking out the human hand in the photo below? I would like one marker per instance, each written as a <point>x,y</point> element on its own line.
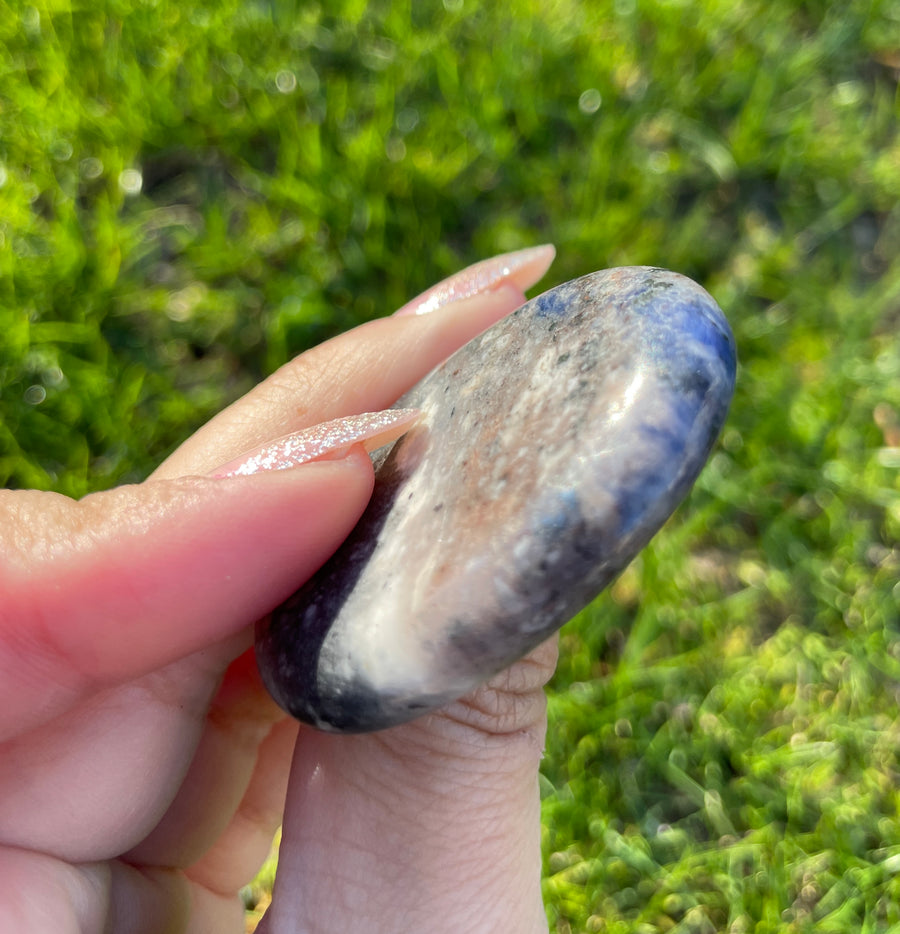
<point>143,768</point>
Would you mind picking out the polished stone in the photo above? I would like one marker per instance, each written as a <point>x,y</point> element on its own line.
<point>550,450</point>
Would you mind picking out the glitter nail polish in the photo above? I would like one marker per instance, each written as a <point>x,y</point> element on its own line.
<point>522,268</point>
<point>329,439</point>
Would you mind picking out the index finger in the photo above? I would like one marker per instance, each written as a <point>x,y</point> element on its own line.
<point>365,369</point>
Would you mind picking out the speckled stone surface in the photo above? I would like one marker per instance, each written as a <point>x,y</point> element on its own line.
<point>550,450</point>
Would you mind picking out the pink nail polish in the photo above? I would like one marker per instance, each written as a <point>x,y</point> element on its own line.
<point>523,268</point>
<point>334,438</point>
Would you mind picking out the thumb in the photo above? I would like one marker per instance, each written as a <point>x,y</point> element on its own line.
<point>433,825</point>
<point>123,582</point>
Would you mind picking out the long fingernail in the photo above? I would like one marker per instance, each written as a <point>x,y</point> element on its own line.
<point>330,439</point>
<point>522,268</point>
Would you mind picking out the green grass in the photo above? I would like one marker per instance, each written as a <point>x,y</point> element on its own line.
<point>192,193</point>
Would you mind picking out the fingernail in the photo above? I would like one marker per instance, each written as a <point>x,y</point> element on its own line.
<point>522,268</point>
<point>372,430</point>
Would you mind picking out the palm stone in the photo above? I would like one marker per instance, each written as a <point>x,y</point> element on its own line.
<point>550,449</point>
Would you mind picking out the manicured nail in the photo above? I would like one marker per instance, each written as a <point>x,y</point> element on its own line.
<point>330,439</point>
<point>522,268</point>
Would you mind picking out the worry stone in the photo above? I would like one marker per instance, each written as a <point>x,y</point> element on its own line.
<point>550,449</point>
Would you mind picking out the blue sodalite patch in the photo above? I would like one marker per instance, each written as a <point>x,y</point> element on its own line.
<point>552,304</point>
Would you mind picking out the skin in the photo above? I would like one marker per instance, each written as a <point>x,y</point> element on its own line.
<point>143,768</point>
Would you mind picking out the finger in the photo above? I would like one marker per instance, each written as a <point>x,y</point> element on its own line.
<point>125,581</point>
<point>39,894</point>
<point>93,781</point>
<point>365,369</point>
<point>242,848</point>
<point>234,790</point>
<point>433,825</point>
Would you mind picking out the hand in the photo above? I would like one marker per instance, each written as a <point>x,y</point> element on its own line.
<point>143,768</point>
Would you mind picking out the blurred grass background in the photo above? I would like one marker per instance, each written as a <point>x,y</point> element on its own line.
<point>191,193</point>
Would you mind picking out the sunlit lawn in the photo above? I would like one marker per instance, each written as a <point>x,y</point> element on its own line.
<point>192,193</point>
